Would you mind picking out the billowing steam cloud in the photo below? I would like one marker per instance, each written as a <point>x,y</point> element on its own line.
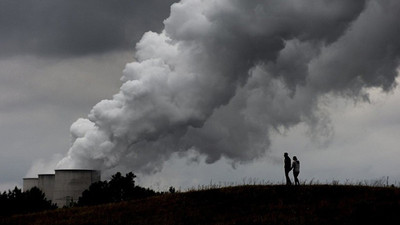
<point>223,74</point>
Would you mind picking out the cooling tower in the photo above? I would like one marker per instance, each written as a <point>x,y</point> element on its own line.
<point>29,183</point>
<point>69,185</point>
<point>46,185</point>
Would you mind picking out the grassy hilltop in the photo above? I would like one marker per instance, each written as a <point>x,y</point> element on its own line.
<point>273,204</point>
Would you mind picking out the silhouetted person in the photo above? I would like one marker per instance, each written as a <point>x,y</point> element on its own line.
<point>296,170</point>
<point>288,167</point>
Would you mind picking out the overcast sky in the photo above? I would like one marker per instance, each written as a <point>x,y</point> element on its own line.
<point>58,59</point>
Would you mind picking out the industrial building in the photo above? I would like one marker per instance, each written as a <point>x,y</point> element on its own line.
<point>29,183</point>
<point>65,186</point>
<point>46,184</point>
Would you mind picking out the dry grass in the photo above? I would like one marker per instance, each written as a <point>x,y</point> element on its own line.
<point>248,204</point>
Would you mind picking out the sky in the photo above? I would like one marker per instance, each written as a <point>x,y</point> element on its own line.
<point>203,92</point>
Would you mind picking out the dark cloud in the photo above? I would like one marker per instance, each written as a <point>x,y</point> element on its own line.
<point>66,28</point>
<point>367,55</point>
<point>244,33</point>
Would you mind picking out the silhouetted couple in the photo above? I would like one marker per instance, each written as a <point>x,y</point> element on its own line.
<point>295,166</point>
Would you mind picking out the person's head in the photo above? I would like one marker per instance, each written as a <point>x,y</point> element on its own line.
<point>294,158</point>
<point>285,154</point>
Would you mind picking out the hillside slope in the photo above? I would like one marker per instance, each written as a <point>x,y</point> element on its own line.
<point>325,204</point>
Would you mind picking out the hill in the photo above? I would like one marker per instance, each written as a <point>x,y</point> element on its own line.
<point>275,204</point>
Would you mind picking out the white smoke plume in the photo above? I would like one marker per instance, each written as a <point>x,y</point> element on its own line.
<point>224,74</point>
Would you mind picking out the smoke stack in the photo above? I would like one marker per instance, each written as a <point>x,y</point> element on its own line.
<point>29,183</point>
<point>69,185</point>
<point>65,186</point>
<point>46,185</point>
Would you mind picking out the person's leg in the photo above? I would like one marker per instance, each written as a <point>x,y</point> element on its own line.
<point>288,182</point>
<point>296,180</point>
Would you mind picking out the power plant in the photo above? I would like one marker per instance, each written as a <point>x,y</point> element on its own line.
<point>65,186</point>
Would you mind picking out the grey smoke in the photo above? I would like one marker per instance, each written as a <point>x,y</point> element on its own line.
<point>223,75</point>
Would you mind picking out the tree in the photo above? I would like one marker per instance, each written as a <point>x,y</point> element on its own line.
<point>119,188</point>
<point>18,202</point>
<point>98,193</point>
